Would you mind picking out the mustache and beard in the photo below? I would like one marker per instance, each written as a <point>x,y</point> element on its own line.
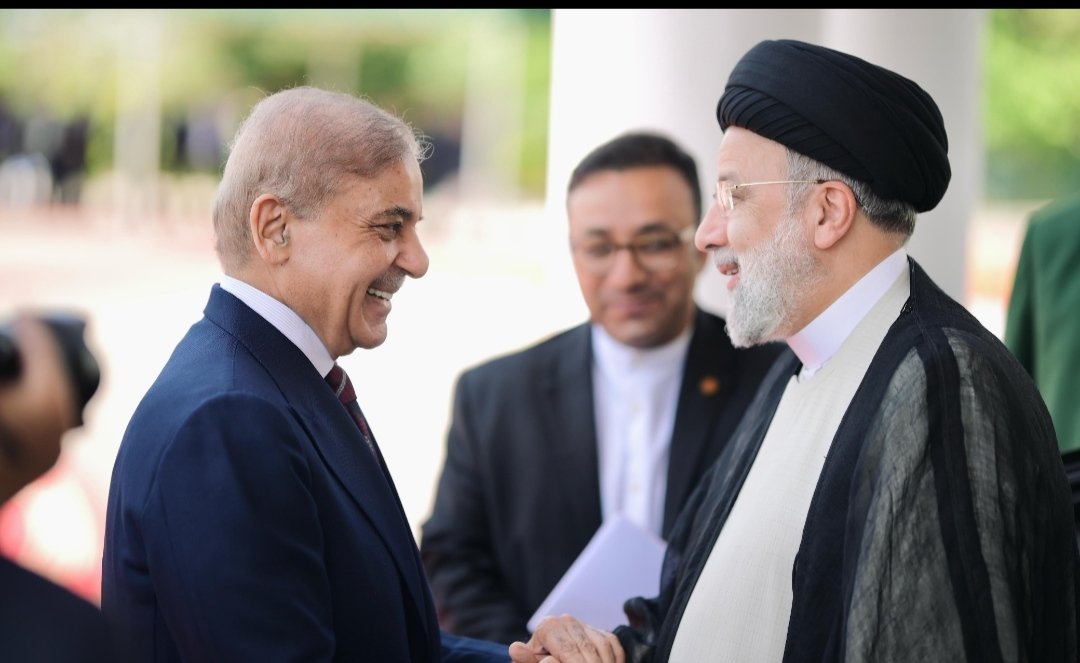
<point>772,279</point>
<point>389,282</point>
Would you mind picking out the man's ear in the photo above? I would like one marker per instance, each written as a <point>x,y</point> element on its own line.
<point>838,209</point>
<point>269,223</point>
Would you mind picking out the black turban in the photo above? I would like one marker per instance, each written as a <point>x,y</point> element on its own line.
<point>856,117</point>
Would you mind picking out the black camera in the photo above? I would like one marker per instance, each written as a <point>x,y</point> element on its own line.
<point>70,331</point>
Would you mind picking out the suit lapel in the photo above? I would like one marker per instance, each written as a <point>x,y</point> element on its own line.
<point>336,437</point>
<point>367,480</point>
<point>568,395</point>
<point>707,377</point>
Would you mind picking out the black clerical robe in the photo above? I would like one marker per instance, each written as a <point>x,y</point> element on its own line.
<point>941,526</point>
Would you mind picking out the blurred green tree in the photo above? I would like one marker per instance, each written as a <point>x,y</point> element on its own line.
<point>1031,113</point>
<point>206,67</point>
<point>58,65</point>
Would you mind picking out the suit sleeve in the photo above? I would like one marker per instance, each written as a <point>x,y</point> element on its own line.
<point>1020,316</point>
<point>471,595</point>
<point>233,539</point>
<point>461,649</point>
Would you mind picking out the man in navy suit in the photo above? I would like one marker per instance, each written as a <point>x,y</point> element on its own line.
<point>628,410</point>
<point>251,516</point>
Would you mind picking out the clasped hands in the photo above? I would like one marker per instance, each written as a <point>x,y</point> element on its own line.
<point>564,639</point>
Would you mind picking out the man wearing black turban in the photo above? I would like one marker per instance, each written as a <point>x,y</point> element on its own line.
<point>895,491</point>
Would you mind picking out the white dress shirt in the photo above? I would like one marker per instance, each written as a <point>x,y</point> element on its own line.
<point>284,319</point>
<point>636,393</point>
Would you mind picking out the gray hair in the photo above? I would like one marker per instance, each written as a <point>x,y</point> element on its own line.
<point>891,216</point>
<point>300,144</point>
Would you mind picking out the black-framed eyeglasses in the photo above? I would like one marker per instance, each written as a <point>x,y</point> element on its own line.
<point>653,251</point>
<point>724,190</point>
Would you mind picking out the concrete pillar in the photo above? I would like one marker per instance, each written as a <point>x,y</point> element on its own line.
<point>939,49</point>
<point>137,141</point>
<point>494,100</point>
<point>665,69</point>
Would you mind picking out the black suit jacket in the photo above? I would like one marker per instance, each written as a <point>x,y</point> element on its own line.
<point>519,494</point>
<point>41,622</point>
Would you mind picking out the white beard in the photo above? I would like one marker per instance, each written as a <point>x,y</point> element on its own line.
<point>772,278</point>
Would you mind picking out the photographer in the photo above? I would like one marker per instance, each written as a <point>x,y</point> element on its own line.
<point>40,401</point>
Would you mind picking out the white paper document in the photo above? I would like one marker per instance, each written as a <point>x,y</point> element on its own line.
<point>620,562</point>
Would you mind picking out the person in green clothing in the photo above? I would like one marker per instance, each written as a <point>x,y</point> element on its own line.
<point>1042,327</point>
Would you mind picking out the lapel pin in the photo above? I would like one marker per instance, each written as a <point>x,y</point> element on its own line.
<point>709,385</point>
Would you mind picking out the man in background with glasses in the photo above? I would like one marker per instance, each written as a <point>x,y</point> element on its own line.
<point>895,492</point>
<point>624,413</point>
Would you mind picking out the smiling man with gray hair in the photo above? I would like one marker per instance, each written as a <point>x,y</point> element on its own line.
<point>251,516</point>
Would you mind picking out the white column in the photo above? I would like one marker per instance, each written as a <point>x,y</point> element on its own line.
<point>940,50</point>
<point>494,99</point>
<point>137,141</point>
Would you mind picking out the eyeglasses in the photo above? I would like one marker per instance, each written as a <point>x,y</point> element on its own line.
<point>724,190</point>
<point>653,251</point>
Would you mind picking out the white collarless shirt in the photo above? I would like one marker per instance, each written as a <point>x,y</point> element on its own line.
<point>636,394</point>
<point>818,341</point>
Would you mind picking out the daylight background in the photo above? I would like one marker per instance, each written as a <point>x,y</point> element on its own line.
<point>113,125</point>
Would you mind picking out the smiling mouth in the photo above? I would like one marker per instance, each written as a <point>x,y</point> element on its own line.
<point>725,261</point>
<point>381,294</point>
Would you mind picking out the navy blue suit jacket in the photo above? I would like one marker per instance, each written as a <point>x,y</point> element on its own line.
<point>248,521</point>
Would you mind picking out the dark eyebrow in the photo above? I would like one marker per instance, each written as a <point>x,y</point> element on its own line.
<point>649,228</point>
<point>653,228</point>
<point>396,213</point>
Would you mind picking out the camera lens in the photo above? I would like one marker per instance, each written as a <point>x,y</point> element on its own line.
<point>82,367</point>
<point>9,357</point>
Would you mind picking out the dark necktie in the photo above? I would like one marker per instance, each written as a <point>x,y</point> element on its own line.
<point>339,381</point>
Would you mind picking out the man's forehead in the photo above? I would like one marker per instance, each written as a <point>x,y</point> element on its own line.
<point>743,149</point>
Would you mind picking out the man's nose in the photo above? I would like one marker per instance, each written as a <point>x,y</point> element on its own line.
<point>712,231</point>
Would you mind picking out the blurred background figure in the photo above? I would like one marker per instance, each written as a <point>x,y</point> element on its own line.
<point>628,409</point>
<point>40,400</point>
<point>1043,324</point>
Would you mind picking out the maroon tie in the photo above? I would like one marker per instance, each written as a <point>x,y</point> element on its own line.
<point>339,381</point>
